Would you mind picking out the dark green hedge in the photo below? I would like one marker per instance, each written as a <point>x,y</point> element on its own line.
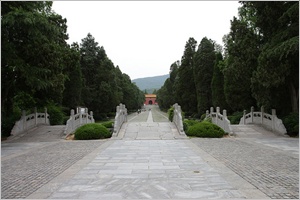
<point>92,131</point>
<point>291,123</point>
<point>108,124</point>
<point>188,123</point>
<point>56,114</point>
<point>205,129</point>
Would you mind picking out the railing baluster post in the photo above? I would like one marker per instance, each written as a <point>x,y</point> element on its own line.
<point>252,110</point>
<point>262,114</point>
<point>273,119</point>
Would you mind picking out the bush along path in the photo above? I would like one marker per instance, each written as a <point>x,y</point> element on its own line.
<point>92,131</point>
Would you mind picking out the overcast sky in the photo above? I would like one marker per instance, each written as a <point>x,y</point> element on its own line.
<point>145,37</point>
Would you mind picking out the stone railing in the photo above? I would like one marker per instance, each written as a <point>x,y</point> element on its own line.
<point>76,120</point>
<point>30,121</point>
<point>177,118</point>
<point>121,117</point>
<point>219,119</point>
<point>269,121</point>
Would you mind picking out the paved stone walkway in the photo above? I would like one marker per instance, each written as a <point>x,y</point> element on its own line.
<point>143,169</point>
<point>273,172</point>
<point>24,173</point>
<point>148,160</point>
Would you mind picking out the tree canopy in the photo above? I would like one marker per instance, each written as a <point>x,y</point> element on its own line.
<point>258,67</point>
<point>39,68</point>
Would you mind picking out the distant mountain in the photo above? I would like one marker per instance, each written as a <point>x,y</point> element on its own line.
<point>151,83</point>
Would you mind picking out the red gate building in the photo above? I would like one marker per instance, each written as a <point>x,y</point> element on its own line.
<point>150,99</point>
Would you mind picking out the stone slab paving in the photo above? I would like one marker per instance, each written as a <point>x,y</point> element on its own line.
<point>148,169</point>
<point>274,172</point>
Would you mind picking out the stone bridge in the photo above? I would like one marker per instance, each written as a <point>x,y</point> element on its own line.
<point>149,124</point>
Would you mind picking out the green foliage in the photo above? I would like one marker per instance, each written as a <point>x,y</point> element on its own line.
<point>108,124</point>
<point>241,46</point>
<point>73,83</point>
<point>56,114</point>
<point>291,123</point>
<point>235,117</point>
<point>8,123</point>
<point>202,117</point>
<point>203,71</point>
<point>205,129</point>
<point>185,90</point>
<point>217,83</point>
<point>23,101</point>
<point>187,123</point>
<point>92,131</point>
<point>208,119</point>
<point>171,113</point>
<point>165,95</point>
<point>277,72</point>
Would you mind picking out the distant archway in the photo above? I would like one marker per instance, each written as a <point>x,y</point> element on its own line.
<point>150,102</point>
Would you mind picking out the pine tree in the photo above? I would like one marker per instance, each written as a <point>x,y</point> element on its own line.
<point>185,91</point>
<point>241,45</point>
<point>73,83</point>
<point>217,84</point>
<point>203,72</point>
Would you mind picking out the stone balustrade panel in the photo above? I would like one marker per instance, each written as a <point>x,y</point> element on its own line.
<point>220,120</point>
<point>269,121</point>
<point>120,118</point>
<point>77,120</point>
<point>30,121</point>
<point>177,118</point>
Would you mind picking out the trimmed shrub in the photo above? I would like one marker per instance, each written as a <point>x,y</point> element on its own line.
<point>202,117</point>
<point>291,123</point>
<point>171,113</point>
<point>208,119</point>
<point>187,123</point>
<point>56,115</point>
<point>92,131</point>
<point>108,124</point>
<point>205,129</point>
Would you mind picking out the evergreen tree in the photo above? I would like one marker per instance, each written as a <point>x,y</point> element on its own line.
<point>185,91</point>
<point>217,84</point>
<point>100,92</point>
<point>276,80</point>
<point>73,83</point>
<point>165,95</point>
<point>241,45</point>
<point>203,72</point>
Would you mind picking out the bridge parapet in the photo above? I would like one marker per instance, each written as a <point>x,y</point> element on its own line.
<point>76,120</point>
<point>177,118</point>
<point>269,121</point>
<point>30,121</point>
<point>220,120</point>
<point>120,118</point>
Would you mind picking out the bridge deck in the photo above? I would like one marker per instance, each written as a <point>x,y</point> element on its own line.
<point>151,124</point>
